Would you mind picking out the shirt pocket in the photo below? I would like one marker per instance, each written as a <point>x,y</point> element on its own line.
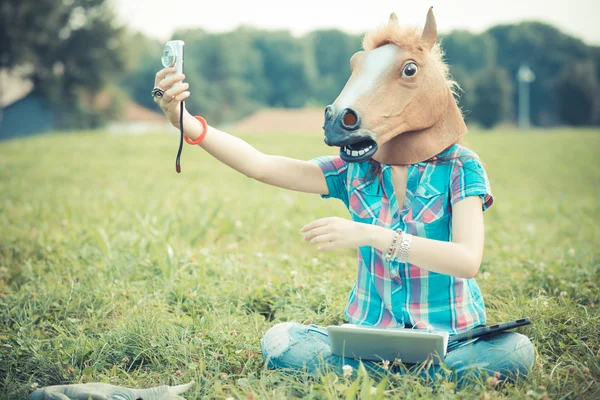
<point>364,200</point>
<point>428,204</point>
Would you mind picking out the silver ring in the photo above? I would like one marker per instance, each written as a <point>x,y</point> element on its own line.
<point>157,92</point>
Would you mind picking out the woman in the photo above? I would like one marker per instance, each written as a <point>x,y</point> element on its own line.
<point>415,195</point>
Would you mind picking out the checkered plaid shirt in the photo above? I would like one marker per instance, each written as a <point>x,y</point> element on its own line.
<point>394,294</point>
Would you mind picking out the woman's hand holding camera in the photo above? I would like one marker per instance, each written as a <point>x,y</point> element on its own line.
<point>173,95</point>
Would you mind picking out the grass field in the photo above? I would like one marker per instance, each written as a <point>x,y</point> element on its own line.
<point>114,268</point>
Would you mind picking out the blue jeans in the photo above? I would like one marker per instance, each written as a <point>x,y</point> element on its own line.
<point>291,345</point>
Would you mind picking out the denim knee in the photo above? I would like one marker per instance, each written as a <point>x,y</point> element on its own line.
<point>276,341</point>
<point>521,359</point>
<point>295,346</point>
<point>510,354</point>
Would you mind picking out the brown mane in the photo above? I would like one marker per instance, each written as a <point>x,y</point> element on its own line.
<point>409,39</point>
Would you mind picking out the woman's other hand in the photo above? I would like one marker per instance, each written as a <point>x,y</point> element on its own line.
<point>336,233</point>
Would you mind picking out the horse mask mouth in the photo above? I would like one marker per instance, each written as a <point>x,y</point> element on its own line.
<point>360,150</point>
<point>356,148</point>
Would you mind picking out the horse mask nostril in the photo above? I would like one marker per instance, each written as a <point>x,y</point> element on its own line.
<point>350,119</point>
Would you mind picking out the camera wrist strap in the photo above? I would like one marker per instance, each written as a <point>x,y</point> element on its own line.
<point>178,159</point>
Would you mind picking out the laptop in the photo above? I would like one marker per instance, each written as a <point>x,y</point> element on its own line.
<point>411,346</point>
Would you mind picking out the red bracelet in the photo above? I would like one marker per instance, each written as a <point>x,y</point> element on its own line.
<point>201,137</point>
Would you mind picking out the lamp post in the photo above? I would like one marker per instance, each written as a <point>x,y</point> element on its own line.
<point>525,76</point>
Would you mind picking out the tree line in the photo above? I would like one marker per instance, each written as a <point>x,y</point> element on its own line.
<point>78,52</point>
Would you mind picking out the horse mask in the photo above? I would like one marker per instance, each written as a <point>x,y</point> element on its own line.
<point>398,106</point>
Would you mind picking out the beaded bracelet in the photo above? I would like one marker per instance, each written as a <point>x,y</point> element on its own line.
<point>394,246</point>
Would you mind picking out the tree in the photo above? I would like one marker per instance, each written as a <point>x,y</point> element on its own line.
<point>492,91</point>
<point>595,58</point>
<point>332,50</point>
<point>142,62</point>
<point>577,93</point>
<point>288,67</point>
<point>466,94</point>
<point>546,50</point>
<point>225,72</point>
<point>73,47</point>
<point>470,51</point>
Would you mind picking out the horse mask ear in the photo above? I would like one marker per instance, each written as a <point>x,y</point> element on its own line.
<point>429,34</point>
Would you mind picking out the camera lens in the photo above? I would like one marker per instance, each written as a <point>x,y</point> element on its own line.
<point>168,57</point>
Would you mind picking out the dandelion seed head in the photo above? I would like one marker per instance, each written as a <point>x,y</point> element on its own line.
<point>347,370</point>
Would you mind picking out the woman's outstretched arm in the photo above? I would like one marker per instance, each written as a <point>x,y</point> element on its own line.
<point>284,172</point>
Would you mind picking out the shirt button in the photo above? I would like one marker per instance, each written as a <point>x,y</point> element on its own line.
<point>396,303</point>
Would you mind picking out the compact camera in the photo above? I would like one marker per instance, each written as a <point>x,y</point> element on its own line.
<point>173,56</point>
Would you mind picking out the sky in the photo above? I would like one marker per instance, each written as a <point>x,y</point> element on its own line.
<point>159,18</point>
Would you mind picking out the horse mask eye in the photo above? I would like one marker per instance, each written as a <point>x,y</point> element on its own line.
<point>409,70</point>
